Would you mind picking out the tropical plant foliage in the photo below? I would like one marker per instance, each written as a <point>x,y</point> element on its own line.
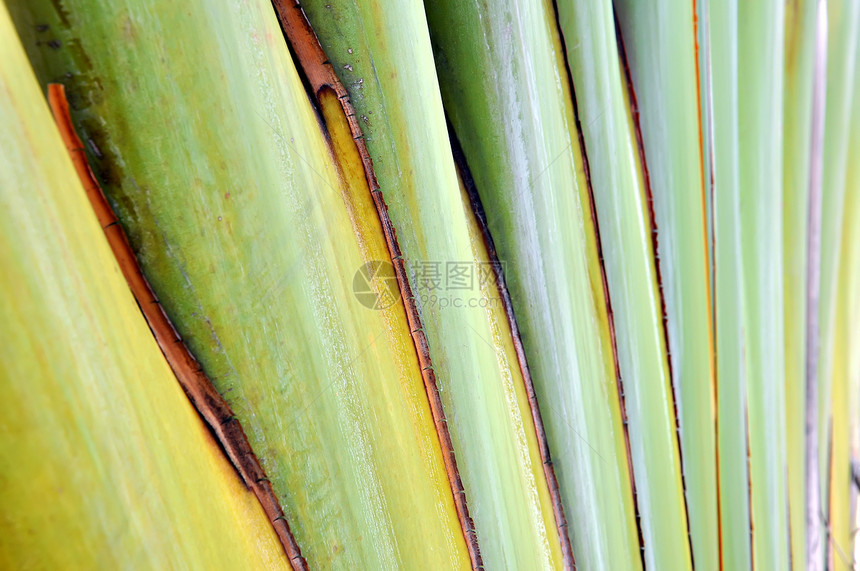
<point>521,284</point>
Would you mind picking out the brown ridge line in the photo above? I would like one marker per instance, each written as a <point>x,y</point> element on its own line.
<point>654,242</point>
<point>320,74</point>
<point>749,483</point>
<point>610,316</point>
<point>709,265</point>
<point>715,324</point>
<point>537,421</point>
<point>197,386</point>
<point>833,548</point>
<point>716,327</point>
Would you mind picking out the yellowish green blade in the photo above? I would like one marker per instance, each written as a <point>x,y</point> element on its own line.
<point>381,50</point>
<point>843,19</point>
<point>202,133</point>
<point>660,41</point>
<point>800,42</point>
<point>760,82</point>
<point>851,308</point>
<point>729,338</point>
<point>841,530</point>
<point>105,464</point>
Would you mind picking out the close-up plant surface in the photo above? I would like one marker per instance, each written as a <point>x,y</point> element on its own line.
<point>383,284</point>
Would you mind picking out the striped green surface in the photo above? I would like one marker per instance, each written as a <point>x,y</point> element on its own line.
<point>620,196</point>
<point>732,421</point>
<point>382,53</point>
<point>660,40</point>
<point>800,30</point>
<point>214,157</point>
<point>843,19</point>
<point>529,171</point>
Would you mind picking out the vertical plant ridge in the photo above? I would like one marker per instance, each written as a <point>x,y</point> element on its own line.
<point>844,474</point>
<point>190,375</point>
<point>649,201</point>
<point>843,29</point>
<point>761,73</point>
<point>729,333</point>
<point>320,75</point>
<point>531,176</point>
<point>800,48</point>
<point>382,52</point>
<point>592,213</point>
<point>815,556</point>
<point>661,53</point>
<point>749,496</point>
<point>499,275</point>
<point>634,115</point>
<point>703,78</point>
<point>704,89</point>
<point>617,176</point>
<point>704,156</point>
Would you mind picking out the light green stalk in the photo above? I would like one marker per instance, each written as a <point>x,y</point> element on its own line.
<point>703,60</point>
<point>732,427</point>
<point>800,30</point>
<point>761,65</point>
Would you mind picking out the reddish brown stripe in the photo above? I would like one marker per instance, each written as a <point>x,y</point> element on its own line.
<point>202,394</point>
<point>319,74</point>
<point>709,264</point>
<point>749,487</point>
